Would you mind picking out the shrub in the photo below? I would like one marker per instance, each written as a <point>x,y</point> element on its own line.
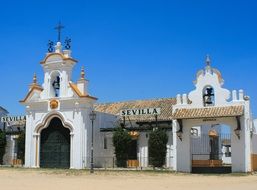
<point>158,140</point>
<point>121,140</point>
<point>2,145</point>
<point>21,146</point>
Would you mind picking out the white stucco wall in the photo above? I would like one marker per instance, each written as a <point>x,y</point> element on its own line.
<point>254,137</point>
<point>103,157</point>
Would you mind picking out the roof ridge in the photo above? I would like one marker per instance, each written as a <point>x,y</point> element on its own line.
<point>130,101</point>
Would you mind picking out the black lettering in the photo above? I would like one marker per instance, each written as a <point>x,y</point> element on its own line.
<point>134,112</point>
<point>155,111</point>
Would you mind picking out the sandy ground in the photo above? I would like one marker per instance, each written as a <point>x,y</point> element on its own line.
<point>38,179</point>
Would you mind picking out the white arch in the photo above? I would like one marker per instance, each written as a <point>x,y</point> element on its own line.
<point>47,119</point>
<point>44,124</point>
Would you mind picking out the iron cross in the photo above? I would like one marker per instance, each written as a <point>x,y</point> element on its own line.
<point>59,27</point>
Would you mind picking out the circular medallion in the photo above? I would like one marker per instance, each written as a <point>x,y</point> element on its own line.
<point>54,104</point>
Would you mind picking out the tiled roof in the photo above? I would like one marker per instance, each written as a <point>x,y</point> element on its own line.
<point>165,104</point>
<point>33,87</point>
<point>228,111</point>
<point>79,93</point>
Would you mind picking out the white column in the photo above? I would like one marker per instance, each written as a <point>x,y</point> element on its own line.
<point>175,139</point>
<point>182,163</point>
<point>29,136</point>
<point>36,139</point>
<point>71,151</point>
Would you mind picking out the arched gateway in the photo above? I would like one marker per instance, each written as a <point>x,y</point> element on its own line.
<point>58,126</point>
<point>55,145</point>
<point>203,112</point>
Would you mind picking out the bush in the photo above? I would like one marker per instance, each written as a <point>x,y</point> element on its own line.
<point>121,140</point>
<point>2,145</point>
<point>21,146</point>
<point>158,140</point>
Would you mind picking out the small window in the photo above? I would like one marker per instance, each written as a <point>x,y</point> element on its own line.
<point>194,132</point>
<point>105,143</point>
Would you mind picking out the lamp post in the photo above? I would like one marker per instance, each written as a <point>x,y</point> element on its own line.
<point>92,117</point>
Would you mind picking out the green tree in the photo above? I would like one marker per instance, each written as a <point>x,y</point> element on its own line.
<point>2,145</point>
<point>158,140</point>
<point>121,140</point>
<point>21,146</point>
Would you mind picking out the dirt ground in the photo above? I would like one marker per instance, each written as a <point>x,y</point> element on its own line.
<point>39,179</point>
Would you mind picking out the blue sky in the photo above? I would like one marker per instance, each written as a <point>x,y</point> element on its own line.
<point>131,49</point>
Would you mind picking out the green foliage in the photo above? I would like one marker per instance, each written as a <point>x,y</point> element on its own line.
<point>121,140</point>
<point>2,145</point>
<point>21,146</point>
<point>157,147</point>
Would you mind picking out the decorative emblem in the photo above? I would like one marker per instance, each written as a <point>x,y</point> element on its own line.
<point>67,43</point>
<point>50,46</point>
<point>54,104</point>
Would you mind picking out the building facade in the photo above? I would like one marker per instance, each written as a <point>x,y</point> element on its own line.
<point>211,104</point>
<point>58,126</point>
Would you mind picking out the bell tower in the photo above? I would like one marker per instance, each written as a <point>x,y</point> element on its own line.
<point>58,106</point>
<point>57,68</point>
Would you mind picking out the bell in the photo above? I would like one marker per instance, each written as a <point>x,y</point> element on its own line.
<point>209,91</point>
<point>208,100</point>
<point>56,83</point>
<point>208,96</point>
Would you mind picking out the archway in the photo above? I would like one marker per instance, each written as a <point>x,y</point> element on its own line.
<point>55,145</point>
<point>211,149</point>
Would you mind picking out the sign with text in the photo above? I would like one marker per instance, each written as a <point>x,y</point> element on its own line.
<point>144,111</point>
<point>8,119</point>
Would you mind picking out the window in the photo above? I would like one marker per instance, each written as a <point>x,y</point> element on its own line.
<point>105,143</point>
<point>194,132</point>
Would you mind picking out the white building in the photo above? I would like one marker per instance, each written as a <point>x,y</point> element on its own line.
<point>58,127</point>
<point>211,104</point>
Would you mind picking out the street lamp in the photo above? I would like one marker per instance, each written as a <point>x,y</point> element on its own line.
<point>92,117</point>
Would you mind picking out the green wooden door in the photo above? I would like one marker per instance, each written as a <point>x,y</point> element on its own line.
<point>55,146</point>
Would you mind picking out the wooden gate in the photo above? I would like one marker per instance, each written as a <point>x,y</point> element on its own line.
<point>55,146</point>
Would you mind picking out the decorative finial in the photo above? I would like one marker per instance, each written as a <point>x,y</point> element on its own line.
<point>67,43</point>
<point>59,27</point>
<point>208,60</point>
<point>35,79</point>
<point>50,46</point>
<point>82,73</point>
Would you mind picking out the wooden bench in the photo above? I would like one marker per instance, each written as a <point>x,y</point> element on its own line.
<point>16,162</point>
<point>132,163</point>
<point>206,163</point>
<point>254,162</point>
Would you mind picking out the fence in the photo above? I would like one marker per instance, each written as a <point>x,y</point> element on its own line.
<point>209,160</point>
<point>141,162</point>
<point>11,160</point>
